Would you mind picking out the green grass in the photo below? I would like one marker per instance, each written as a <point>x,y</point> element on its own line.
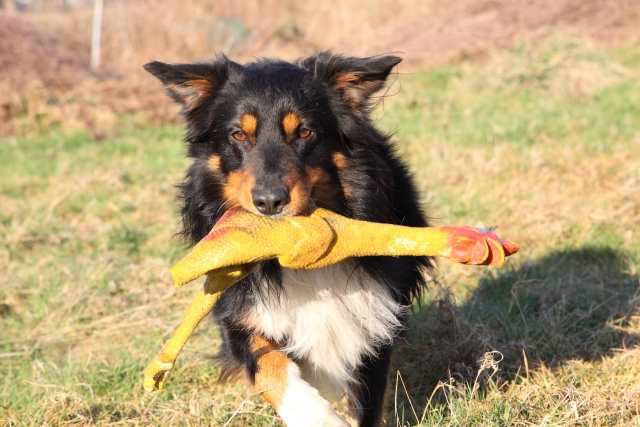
<point>86,230</point>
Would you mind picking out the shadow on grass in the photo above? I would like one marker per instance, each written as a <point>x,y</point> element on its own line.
<point>572,304</point>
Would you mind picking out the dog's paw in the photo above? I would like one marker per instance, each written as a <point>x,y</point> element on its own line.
<point>477,246</point>
<point>302,406</point>
<point>311,414</point>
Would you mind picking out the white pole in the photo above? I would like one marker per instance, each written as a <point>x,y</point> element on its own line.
<point>96,33</point>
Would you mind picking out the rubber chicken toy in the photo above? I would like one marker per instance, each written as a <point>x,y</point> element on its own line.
<point>319,238</point>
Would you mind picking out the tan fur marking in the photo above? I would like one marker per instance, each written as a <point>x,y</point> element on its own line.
<point>249,124</point>
<point>201,85</point>
<point>237,189</point>
<point>232,188</point>
<point>191,92</point>
<point>348,191</point>
<point>271,379</point>
<point>290,124</point>
<point>260,344</point>
<point>354,90</point>
<point>318,176</point>
<point>299,190</point>
<point>347,79</point>
<point>339,160</point>
<point>214,163</point>
<point>323,191</point>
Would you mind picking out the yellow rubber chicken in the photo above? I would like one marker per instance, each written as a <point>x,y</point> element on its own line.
<point>319,238</point>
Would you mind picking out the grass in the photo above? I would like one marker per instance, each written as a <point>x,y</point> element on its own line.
<point>86,231</point>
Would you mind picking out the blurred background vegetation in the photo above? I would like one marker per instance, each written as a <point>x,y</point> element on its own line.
<point>47,81</point>
<point>521,115</point>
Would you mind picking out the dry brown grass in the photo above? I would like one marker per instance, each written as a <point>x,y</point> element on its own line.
<point>426,31</point>
<point>547,207</point>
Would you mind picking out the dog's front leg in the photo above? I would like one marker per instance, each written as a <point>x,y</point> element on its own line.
<point>279,382</point>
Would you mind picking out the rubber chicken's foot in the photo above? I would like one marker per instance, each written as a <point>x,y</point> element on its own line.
<point>477,246</point>
<point>156,372</point>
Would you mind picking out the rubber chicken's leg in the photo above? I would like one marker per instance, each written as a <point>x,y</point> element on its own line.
<point>157,371</point>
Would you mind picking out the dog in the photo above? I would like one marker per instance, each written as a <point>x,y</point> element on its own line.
<point>272,137</point>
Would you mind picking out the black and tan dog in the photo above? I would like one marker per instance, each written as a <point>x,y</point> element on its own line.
<point>271,136</point>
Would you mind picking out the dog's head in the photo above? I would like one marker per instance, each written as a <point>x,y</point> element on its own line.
<point>271,135</point>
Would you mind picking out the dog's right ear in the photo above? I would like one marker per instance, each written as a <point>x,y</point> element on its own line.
<point>191,84</point>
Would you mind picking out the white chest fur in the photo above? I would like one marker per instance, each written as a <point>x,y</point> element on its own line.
<point>329,318</point>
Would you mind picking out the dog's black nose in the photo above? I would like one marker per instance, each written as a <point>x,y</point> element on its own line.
<point>270,201</point>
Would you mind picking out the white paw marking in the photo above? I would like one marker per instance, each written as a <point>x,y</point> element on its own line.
<point>302,405</point>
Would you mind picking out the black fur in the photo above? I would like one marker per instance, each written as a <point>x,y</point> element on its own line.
<point>373,376</point>
<point>331,94</point>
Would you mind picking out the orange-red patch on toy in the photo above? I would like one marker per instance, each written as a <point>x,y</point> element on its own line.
<point>478,246</point>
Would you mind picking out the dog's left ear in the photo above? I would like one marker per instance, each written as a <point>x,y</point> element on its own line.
<point>356,79</point>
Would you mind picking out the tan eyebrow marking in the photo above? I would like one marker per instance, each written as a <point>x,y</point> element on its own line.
<point>290,124</point>
<point>249,124</point>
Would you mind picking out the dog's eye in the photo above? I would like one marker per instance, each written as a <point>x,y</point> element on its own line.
<point>304,133</point>
<point>239,135</point>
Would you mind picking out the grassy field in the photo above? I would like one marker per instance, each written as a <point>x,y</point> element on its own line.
<point>541,141</point>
